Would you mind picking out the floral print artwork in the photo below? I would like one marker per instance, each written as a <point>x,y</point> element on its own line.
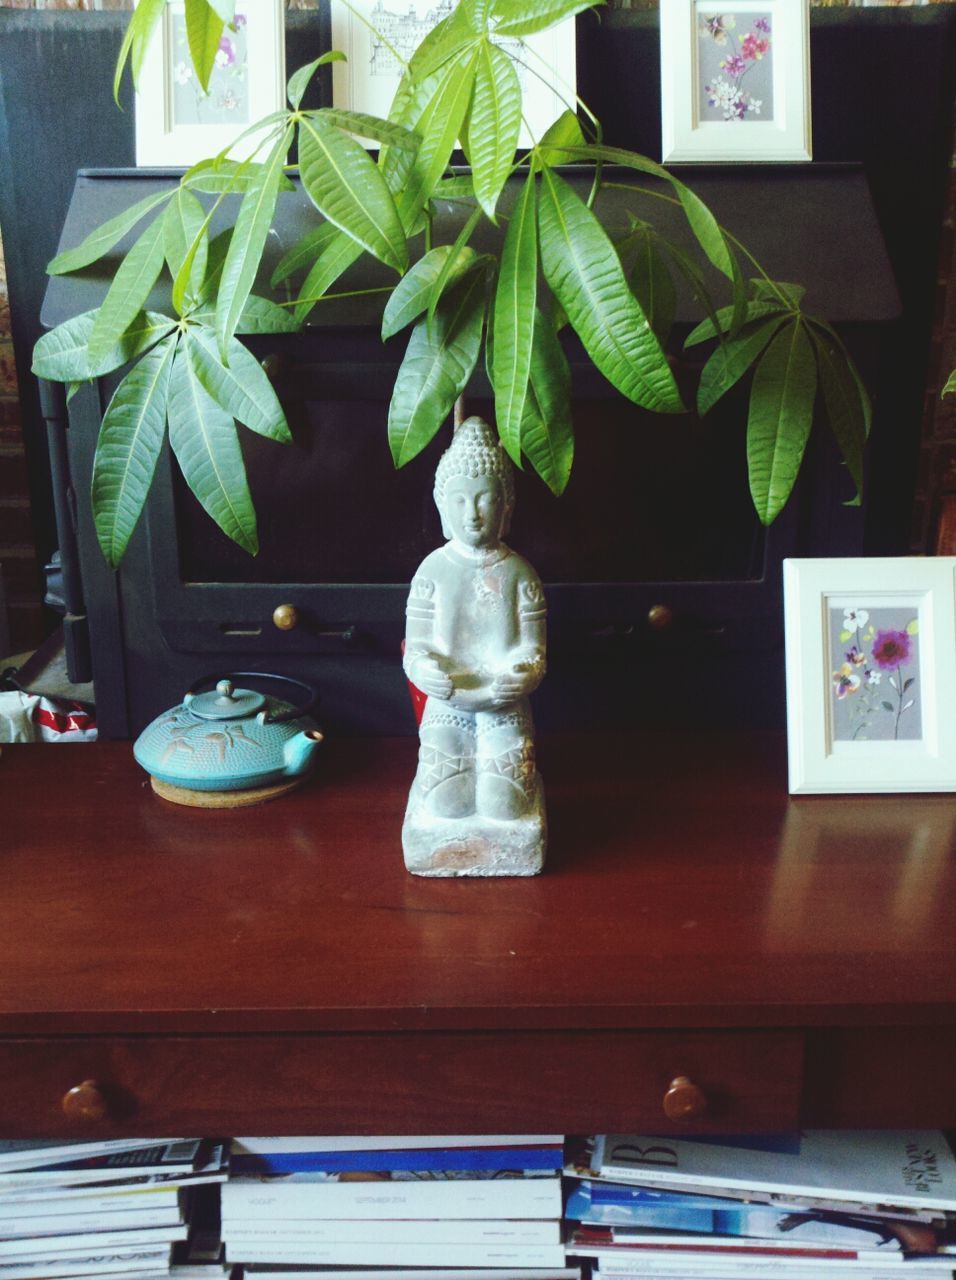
<point>227,101</point>
<point>734,66</point>
<point>875,674</point>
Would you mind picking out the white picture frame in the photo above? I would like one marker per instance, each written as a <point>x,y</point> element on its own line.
<point>176,124</point>
<point>871,674</point>
<point>367,80</point>
<point>735,80</point>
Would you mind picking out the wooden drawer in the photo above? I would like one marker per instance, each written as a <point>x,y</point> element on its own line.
<point>881,1078</point>
<point>476,1082</point>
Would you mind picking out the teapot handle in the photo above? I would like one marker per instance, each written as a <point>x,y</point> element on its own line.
<point>308,694</point>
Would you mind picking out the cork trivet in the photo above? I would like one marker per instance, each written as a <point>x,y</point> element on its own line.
<point>223,799</point>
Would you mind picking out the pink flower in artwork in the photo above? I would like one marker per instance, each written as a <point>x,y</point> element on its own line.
<point>891,649</point>
<point>734,65</point>
<point>240,21</point>
<point>763,24</point>
<point>753,47</point>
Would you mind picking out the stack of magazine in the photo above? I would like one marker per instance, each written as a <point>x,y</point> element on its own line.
<point>291,1204</point>
<point>878,1205</point>
<point>115,1208</point>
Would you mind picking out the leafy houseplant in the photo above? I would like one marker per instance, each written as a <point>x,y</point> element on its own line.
<point>557,266</point>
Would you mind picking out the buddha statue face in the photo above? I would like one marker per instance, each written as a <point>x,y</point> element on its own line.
<point>473,511</point>
<point>474,487</point>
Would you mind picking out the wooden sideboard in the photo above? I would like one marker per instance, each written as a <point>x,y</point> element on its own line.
<point>276,970</point>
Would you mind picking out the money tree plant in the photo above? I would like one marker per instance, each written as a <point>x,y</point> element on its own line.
<point>557,266</point>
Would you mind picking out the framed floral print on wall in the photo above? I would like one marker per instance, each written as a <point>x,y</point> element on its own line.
<point>871,674</point>
<point>176,122</point>
<point>735,80</point>
<point>377,36</point>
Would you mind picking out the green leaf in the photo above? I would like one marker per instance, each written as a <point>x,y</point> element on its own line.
<point>702,222</point>
<point>451,37</point>
<point>139,32</point>
<point>410,297</point>
<point>770,291</point>
<point>478,12</point>
<point>204,440</point>
<point>438,127</point>
<point>438,362</point>
<point>781,414</point>
<point>460,187</point>
<point>100,241</point>
<point>336,260</point>
<point>452,261</point>
<point>837,342</point>
<point>222,176</point>
<point>585,274</point>
<point>226,10</point>
<point>493,123</point>
<point>525,17</point>
<point>547,432</point>
<point>130,288</point>
<point>709,235</point>
<point>514,318</point>
<point>204,29</point>
<point>241,387</point>
<point>652,284</point>
<point>841,397</point>
<point>731,360</point>
<point>348,189</point>
<point>248,241</point>
<point>724,318</point>
<point>565,132</point>
<point>131,436</point>
<point>260,315</point>
<point>950,387</point>
<point>216,255</point>
<point>366,126</point>
<point>690,269</point>
<point>396,163</point>
<point>62,354</point>
<point>299,80</point>
<point>185,245</point>
<point>304,253</point>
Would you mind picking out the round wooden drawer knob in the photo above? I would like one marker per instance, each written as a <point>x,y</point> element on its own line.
<point>683,1100</point>
<point>86,1101</point>
<point>286,617</point>
<point>660,617</point>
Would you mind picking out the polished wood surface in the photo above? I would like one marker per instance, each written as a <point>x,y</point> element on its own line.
<point>701,948</point>
<point>683,888</point>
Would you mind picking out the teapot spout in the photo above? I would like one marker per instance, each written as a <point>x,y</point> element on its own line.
<point>298,751</point>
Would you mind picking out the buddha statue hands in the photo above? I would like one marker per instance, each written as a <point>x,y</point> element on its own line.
<point>475,646</point>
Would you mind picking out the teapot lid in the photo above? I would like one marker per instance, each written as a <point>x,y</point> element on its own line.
<point>225,702</point>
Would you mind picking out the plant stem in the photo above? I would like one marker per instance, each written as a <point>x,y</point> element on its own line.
<point>329,297</point>
<point>899,709</point>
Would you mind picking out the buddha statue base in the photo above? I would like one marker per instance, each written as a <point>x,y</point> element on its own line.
<point>476,846</point>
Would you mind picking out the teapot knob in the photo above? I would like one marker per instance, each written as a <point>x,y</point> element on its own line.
<point>224,688</point>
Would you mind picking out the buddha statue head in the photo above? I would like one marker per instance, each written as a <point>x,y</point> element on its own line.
<point>474,487</point>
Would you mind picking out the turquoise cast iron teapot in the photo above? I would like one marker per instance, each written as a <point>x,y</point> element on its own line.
<point>231,738</point>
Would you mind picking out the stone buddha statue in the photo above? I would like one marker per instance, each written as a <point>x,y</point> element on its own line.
<point>475,646</point>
